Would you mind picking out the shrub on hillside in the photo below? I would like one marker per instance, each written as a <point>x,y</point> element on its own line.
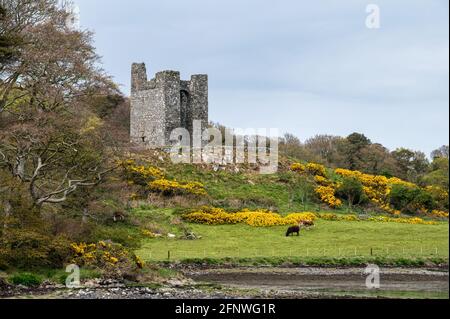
<point>410,200</point>
<point>352,190</point>
<point>113,259</point>
<point>29,248</point>
<point>26,279</point>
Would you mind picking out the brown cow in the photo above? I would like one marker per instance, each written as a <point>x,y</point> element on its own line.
<point>307,223</point>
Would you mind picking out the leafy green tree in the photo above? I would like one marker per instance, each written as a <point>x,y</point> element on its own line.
<point>412,164</point>
<point>410,199</point>
<point>442,152</point>
<point>376,159</point>
<point>352,148</point>
<point>438,176</point>
<point>291,146</point>
<point>303,191</point>
<point>351,189</point>
<point>326,148</point>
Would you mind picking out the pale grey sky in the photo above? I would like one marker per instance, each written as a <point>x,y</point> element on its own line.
<point>305,67</point>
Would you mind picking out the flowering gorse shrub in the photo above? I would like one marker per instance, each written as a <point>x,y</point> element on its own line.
<point>415,220</point>
<point>325,188</point>
<point>334,217</point>
<point>310,168</point>
<point>168,187</point>
<point>104,255</point>
<point>327,195</point>
<point>262,218</point>
<point>379,190</point>
<point>298,167</point>
<point>384,219</point>
<point>392,195</point>
<point>316,169</point>
<point>439,214</point>
<point>140,174</point>
<point>154,180</point>
<point>323,181</point>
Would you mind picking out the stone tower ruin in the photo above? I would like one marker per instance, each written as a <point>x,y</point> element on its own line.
<point>165,103</point>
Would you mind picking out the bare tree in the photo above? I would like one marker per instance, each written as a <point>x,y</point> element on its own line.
<point>50,140</point>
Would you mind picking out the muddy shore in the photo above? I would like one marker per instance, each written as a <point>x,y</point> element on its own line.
<point>259,282</point>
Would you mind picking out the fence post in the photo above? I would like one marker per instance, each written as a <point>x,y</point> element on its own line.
<point>355,252</point>
<point>168,255</point>
<point>371,251</point>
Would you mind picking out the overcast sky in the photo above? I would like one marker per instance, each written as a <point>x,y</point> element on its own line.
<point>305,67</point>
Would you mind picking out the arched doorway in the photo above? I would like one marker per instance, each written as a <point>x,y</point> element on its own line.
<point>184,109</point>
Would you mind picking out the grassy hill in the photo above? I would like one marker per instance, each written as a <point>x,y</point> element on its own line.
<point>236,188</point>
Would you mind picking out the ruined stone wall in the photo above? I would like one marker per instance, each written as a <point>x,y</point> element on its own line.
<point>165,103</point>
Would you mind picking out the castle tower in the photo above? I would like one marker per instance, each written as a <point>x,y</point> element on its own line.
<point>164,103</point>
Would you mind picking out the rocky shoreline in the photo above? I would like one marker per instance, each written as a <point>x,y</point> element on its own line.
<point>245,283</point>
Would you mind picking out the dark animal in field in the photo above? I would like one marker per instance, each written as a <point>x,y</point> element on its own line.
<point>293,230</point>
<point>118,216</point>
<point>307,223</point>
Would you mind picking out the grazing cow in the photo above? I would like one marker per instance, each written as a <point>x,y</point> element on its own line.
<point>307,223</point>
<point>293,230</point>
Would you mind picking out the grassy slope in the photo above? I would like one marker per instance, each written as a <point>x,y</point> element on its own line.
<point>251,190</point>
<point>328,239</point>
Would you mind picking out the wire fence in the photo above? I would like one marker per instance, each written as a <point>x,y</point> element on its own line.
<point>333,252</point>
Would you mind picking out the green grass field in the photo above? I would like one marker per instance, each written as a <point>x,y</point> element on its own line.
<point>329,239</point>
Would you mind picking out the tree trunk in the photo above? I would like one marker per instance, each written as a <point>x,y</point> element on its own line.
<point>7,212</point>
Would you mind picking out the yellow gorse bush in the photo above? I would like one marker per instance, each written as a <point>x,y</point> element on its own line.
<point>169,187</point>
<point>326,189</point>
<point>155,180</point>
<point>298,167</point>
<point>140,174</point>
<point>439,214</point>
<point>415,220</point>
<point>310,168</point>
<point>327,195</point>
<point>377,188</point>
<point>102,255</point>
<point>264,218</point>
<point>323,181</point>
<point>316,169</point>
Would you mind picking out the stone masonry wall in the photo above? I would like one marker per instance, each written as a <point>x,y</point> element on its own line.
<point>164,103</point>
